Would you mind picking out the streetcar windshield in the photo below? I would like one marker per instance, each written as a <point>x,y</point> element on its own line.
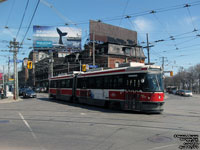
<point>153,83</point>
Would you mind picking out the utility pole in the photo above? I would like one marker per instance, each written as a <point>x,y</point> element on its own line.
<point>51,64</point>
<point>147,47</point>
<point>93,48</point>
<point>80,65</point>
<point>15,45</point>
<point>3,80</point>
<point>8,68</point>
<point>163,62</point>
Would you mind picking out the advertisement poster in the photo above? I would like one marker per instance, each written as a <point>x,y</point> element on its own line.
<point>50,37</point>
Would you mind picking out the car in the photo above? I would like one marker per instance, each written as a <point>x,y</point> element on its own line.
<point>29,93</point>
<point>21,91</point>
<point>179,92</point>
<point>173,92</point>
<point>187,93</point>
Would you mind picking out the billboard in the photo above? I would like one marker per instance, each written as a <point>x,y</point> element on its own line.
<point>112,34</point>
<point>50,37</point>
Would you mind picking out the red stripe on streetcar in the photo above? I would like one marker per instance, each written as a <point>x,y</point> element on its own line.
<point>66,92</point>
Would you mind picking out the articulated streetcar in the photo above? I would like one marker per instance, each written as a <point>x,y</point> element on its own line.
<point>137,87</point>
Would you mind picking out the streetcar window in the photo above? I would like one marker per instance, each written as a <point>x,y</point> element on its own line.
<point>81,83</point>
<point>153,83</point>
<point>63,83</point>
<point>115,83</point>
<point>91,83</point>
<point>54,84</point>
<point>121,82</point>
<point>108,82</point>
<point>99,83</point>
<point>58,84</point>
<point>69,83</point>
<point>51,84</point>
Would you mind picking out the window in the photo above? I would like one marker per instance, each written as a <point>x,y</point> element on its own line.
<point>81,83</point>
<point>69,83</point>
<point>63,83</point>
<point>107,82</point>
<point>99,82</point>
<point>91,83</point>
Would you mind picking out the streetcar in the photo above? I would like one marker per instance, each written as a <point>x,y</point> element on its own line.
<point>137,87</point>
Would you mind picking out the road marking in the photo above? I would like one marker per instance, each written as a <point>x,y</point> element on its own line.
<point>161,147</point>
<point>29,127</point>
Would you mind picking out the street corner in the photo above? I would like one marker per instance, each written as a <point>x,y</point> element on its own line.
<point>9,100</point>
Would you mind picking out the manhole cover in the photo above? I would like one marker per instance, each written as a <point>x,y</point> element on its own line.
<point>159,139</point>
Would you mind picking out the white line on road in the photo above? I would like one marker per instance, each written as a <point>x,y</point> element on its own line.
<point>161,147</point>
<point>26,123</point>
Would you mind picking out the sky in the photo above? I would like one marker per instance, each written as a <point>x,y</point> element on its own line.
<point>173,26</point>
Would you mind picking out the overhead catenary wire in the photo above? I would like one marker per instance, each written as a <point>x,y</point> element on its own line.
<point>10,12</point>
<point>126,5</point>
<point>22,18</point>
<point>30,21</point>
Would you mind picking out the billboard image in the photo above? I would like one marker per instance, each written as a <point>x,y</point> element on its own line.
<point>50,37</point>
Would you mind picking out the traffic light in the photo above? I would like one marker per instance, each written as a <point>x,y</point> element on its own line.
<point>84,68</point>
<point>171,73</point>
<point>29,65</point>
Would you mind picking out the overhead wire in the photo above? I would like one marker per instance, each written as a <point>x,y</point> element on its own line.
<point>22,18</point>
<point>30,21</point>
<point>124,11</point>
<point>11,9</point>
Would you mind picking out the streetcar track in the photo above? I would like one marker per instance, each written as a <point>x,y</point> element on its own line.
<point>113,124</point>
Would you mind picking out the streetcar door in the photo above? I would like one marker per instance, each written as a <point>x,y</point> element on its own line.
<point>58,93</point>
<point>74,87</point>
<point>131,92</point>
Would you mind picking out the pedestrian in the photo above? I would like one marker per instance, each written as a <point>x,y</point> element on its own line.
<point>2,93</point>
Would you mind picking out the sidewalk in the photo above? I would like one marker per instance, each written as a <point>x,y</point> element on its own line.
<point>9,100</point>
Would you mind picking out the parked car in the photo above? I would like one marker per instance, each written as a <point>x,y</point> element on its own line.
<point>173,91</point>
<point>29,93</point>
<point>187,93</point>
<point>21,91</point>
<point>179,92</point>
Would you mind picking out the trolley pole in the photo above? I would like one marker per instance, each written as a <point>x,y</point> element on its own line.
<point>15,45</point>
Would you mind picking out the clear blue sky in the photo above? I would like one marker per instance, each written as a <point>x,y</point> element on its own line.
<point>171,18</point>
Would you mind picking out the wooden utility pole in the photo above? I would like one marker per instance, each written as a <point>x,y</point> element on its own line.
<point>93,48</point>
<point>15,45</point>
<point>147,47</point>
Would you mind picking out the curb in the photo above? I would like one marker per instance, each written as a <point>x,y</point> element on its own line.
<point>9,100</point>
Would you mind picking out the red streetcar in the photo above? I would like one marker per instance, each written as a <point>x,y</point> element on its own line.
<point>137,87</point>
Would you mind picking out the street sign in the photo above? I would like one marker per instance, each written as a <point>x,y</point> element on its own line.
<point>93,66</point>
<point>18,61</point>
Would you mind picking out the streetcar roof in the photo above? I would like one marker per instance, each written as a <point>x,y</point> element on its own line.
<point>121,70</point>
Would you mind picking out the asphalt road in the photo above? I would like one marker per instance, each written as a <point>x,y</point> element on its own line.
<point>42,124</point>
